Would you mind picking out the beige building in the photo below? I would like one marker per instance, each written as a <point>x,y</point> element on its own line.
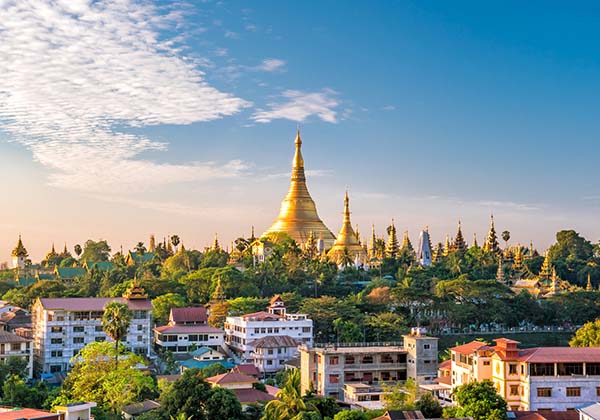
<point>13,345</point>
<point>329,368</point>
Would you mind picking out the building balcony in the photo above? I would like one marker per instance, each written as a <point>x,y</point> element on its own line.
<point>371,366</point>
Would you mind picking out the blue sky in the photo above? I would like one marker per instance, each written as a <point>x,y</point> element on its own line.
<point>122,119</point>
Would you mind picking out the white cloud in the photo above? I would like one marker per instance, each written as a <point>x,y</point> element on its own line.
<point>76,73</point>
<point>298,106</point>
<point>270,65</point>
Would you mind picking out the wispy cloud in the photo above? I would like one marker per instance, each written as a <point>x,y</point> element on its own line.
<point>270,65</point>
<point>76,73</point>
<point>298,106</point>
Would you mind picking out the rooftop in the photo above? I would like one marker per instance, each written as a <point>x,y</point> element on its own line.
<point>274,341</point>
<point>92,304</point>
<point>359,348</point>
<point>471,347</point>
<point>185,329</point>
<point>231,377</point>
<point>25,413</point>
<point>187,315</point>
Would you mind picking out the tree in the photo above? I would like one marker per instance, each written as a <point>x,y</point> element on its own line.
<point>115,323</point>
<point>429,406</point>
<point>480,401</point>
<point>290,403</point>
<point>401,396</point>
<point>350,415</point>
<point>587,336</point>
<point>77,249</point>
<point>506,237</point>
<point>94,378</point>
<point>175,240</point>
<point>140,249</point>
<point>17,393</point>
<point>95,251</point>
<point>223,404</point>
<point>187,395</point>
<point>163,305</point>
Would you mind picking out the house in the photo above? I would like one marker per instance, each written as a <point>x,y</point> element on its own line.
<point>18,413</point>
<point>131,411</point>
<point>589,412</point>
<point>13,345</point>
<point>328,368</point>
<point>243,331</point>
<point>242,386</point>
<point>15,318</point>
<point>63,326</point>
<point>204,357</point>
<point>188,328</point>
<point>405,415</point>
<point>76,411</point>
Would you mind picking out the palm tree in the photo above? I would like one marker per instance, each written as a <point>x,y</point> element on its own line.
<point>290,402</point>
<point>77,249</point>
<point>115,323</point>
<point>175,241</point>
<point>140,249</point>
<point>506,237</point>
<point>346,258</point>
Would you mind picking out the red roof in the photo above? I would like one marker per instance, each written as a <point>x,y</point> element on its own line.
<point>251,395</point>
<point>188,329</point>
<point>547,415</point>
<point>446,364</point>
<point>231,377</point>
<point>27,413</point>
<point>560,355</point>
<point>469,348</point>
<point>93,304</point>
<point>247,369</point>
<point>262,316</point>
<point>188,315</point>
<point>445,380</point>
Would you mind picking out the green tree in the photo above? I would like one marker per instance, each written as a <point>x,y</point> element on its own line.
<point>223,404</point>
<point>480,401</point>
<point>163,305</point>
<point>506,237</point>
<point>587,336</point>
<point>290,402</point>
<point>401,396</point>
<point>175,240</point>
<point>95,251</point>
<point>187,395</point>
<point>115,323</point>
<point>77,249</point>
<point>17,393</point>
<point>429,406</point>
<point>350,415</point>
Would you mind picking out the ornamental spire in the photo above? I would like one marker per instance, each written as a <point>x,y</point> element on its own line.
<point>20,250</point>
<point>589,287</point>
<point>446,246</point>
<point>546,270</point>
<point>491,242</point>
<point>392,248</point>
<point>459,242</point>
<point>406,244</point>
<point>347,241</point>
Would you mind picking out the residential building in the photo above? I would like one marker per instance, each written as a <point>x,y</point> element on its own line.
<point>242,332</point>
<point>13,345</point>
<point>326,369</point>
<point>76,411</point>
<point>18,413</point>
<point>63,326</point>
<point>536,379</point>
<point>242,386</point>
<point>204,357</point>
<point>589,411</point>
<point>131,411</point>
<point>188,329</point>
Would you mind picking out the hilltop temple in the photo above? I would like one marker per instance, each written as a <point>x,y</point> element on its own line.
<point>298,214</point>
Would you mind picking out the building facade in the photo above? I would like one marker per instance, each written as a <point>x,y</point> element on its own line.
<point>63,326</point>
<point>13,345</point>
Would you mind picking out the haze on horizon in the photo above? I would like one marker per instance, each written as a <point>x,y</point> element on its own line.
<point>121,119</point>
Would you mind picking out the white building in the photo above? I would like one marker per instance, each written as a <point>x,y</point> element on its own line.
<point>13,345</point>
<point>188,328</point>
<point>63,326</point>
<point>242,331</point>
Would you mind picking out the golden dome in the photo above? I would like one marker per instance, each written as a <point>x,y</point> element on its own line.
<point>346,241</point>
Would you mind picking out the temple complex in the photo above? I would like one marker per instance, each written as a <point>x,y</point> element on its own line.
<point>298,214</point>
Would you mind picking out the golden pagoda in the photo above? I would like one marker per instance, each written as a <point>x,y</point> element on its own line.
<point>392,248</point>
<point>298,214</point>
<point>347,242</point>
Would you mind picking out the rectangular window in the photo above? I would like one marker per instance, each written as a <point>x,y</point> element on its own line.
<point>542,369</point>
<point>512,369</point>
<point>77,340</point>
<point>305,329</point>
<point>100,339</point>
<point>426,346</point>
<point>56,353</point>
<point>269,362</point>
<point>78,329</point>
<point>544,392</point>
<point>193,337</point>
<point>334,379</point>
<point>140,327</point>
<point>574,391</point>
<point>598,391</point>
<point>140,338</point>
<point>56,329</point>
<point>514,390</point>
<point>334,360</point>
<point>98,328</point>
<point>15,347</point>
<point>349,360</point>
<point>56,341</point>
<point>486,363</point>
<point>568,369</point>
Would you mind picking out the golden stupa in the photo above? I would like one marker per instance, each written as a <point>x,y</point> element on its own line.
<point>298,214</point>
<point>347,244</point>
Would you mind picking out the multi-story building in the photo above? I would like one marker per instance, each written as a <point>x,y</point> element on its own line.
<point>63,326</point>
<point>188,329</point>
<point>13,345</point>
<point>244,331</point>
<point>326,369</point>
<point>540,378</point>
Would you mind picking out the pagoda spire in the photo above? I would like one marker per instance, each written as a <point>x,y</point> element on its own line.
<point>500,272</point>
<point>347,241</point>
<point>491,242</point>
<point>406,244</point>
<point>518,259</point>
<point>475,244</point>
<point>546,270</point>
<point>152,244</point>
<point>216,246</point>
<point>391,247</point>
<point>373,246</point>
<point>459,242</point>
<point>298,213</point>
<point>446,251</point>
<point>438,253</point>
<point>589,287</point>
<point>20,250</point>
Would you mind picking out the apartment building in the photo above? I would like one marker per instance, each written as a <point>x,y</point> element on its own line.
<point>63,326</point>
<point>285,331</point>
<point>540,378</point>
<point>188,329</point>
<point>327,369</point>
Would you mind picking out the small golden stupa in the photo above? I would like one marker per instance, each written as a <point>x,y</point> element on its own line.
<point>347,244</point>
<point>298,214</point>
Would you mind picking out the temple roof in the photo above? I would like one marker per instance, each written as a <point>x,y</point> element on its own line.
<point>19,250</point>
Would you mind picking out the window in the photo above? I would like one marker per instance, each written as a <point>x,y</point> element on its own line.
<point>349,360</point>
<point>56,353</point>
<point>98,328</point>
<point>56,341</point>
<point>140,338</point>
<point>269,362</point>
<point>140,327</point>
<point>56,329</point>
<point>514,390</point>
<point>193,337</point>
<point>305,329</point>
<point>55,368</point>
<point>367,360</point>
<point>568,369</point>
<point>334,360</point>
<point>100,339</point>
<point>486,363</point>
<point>77,340</point>
<point>270,351</point>
<point>592,369</point>
<point>334,379</point>
<point>542,369</point>
<point>15,347</point>
<point>426,346</point>
<point>573,391</point>
<point>78,329</point>
<point>598,391</point>
<point>512,369</point>
<point>544,392</point>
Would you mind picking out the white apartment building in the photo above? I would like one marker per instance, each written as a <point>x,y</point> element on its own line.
<point>13,345</point>
<point>188,328</point>
<point>540,378</point>
<point>63,326</point>
<point>243,331</point>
